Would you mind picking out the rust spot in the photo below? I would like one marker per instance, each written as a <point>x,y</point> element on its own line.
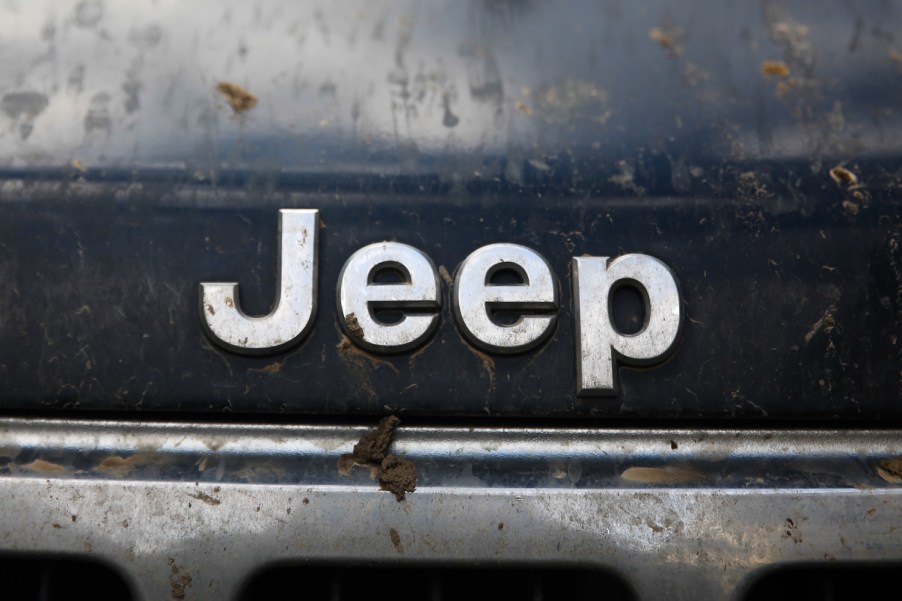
<point>210,309</point>
<point>56,526</point>
<point>201,496</point>
<point>895,56</point>
<point>661,475</point>
<point>44,467</point>
<point>395,540</point>
<point>238,97</point>
<point>523,108</point>
<point>229,302</point>
<point>891,470</point>
<point>841,175</point>
<point>775,69</point>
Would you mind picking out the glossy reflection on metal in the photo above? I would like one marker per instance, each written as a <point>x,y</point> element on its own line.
<point>678,514</point>
<point>359,296</point>
<point>475,297</point>
<point>294,307</point>
<point>598,343</point>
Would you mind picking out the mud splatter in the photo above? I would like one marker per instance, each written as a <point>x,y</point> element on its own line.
<point>774,69</point>
<point>396,475</point>
<point>373,445</point>
<point>238,97</point>
<point>399,476</point>
<point>44,467</point>
<point>178,581</point>
<point>661,475</point>
<point>395,540</point>
<point>891,470</point>
<point>354,327</point>
<point>204,497</point>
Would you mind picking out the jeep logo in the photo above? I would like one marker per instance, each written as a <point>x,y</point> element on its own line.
<point>534,300</point>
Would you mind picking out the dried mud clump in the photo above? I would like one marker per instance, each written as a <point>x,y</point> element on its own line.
<point>238,98</point>
<point>396,474</point>
<point>373,445</point>
<point>354,327</point>
<point>399,476</point>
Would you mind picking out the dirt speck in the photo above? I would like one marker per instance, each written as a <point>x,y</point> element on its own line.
<point>399,476</point>
<point>272,369</point>
<point>201,496</point>
<point>238,98</point>
<point>791,531</point>
<point>827,322</point>
<point>446,277</point>
<point>306,501</point>
<point>895,56</point>
<point>353,325</point>
<point>850,208</point>
<point>56,526</point>
<point>178,581</point>
<point>891,470</point>
<point>668,39</point>
<point>500,525</point>
<point>841,175</point>
<point>395,540</point>
<point>661,475</point>
<point>523,108</point>
<point>673,445</point>
<point>775,69</point>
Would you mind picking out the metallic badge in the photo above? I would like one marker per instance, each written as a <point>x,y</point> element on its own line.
<point>413,298</point>
<point>475,297</point>
<point>360,295</point>
<point>294,307</point>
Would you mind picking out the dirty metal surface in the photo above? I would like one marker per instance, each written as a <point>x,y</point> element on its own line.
<point>798,321</point>
<point>678,514</point>
<point>752,148</point>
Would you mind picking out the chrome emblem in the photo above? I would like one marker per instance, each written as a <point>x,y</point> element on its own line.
<point>474,296</point>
